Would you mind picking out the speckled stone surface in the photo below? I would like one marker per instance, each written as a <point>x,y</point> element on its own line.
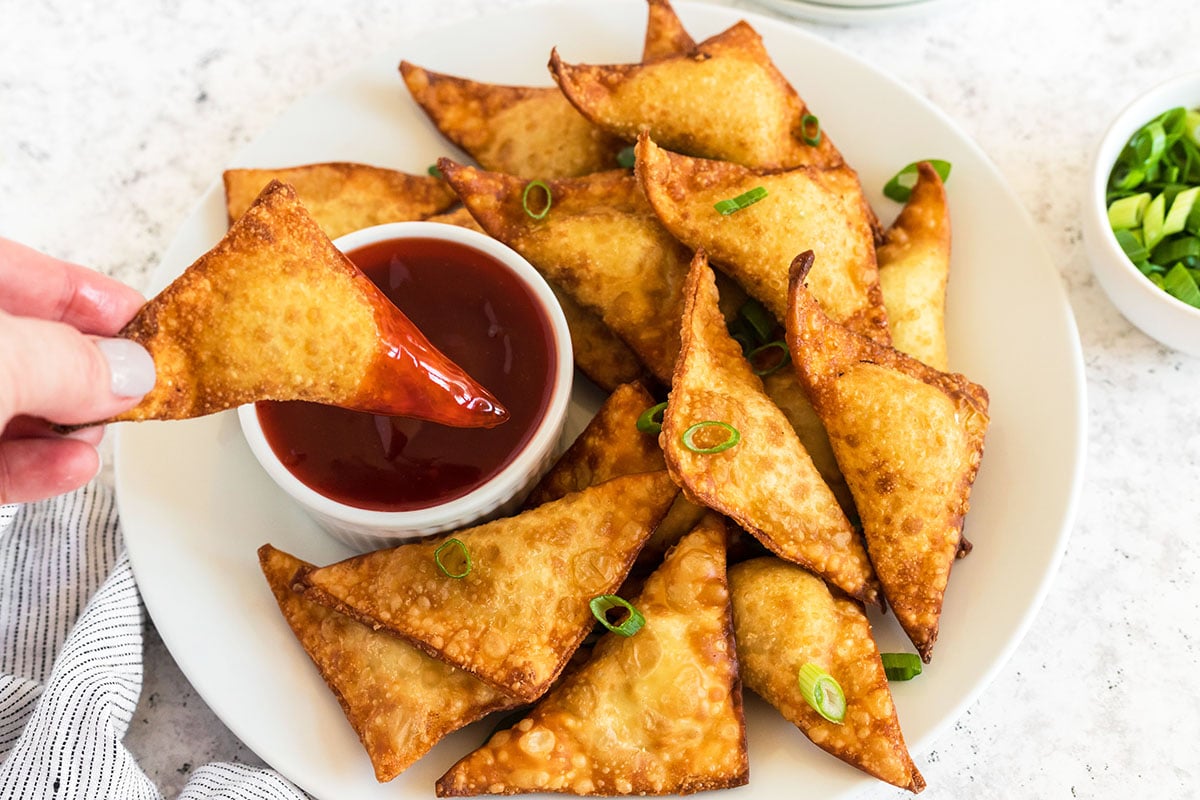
<point>115,116</point>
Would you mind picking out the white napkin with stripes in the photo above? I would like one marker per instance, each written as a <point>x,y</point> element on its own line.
<point>71,662</point>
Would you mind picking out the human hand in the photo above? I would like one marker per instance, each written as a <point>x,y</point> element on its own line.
<point>55,369</point>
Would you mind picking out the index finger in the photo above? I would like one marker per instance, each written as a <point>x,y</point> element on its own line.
<point>44,287</point>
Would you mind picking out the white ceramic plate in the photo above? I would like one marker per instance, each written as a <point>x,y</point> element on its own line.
<point>196,505</point>
<point>855,12</point>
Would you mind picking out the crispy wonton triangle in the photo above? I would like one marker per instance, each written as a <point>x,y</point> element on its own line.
<point>276,312</point>
<point>908,438</point>
<point>766,482</point>
<point>516,617</point>
<point>785,618</point>
<point>659,712</point>
<point>804,209</point>
<point>665,34</point>
<point>914,267</point>
<point>600,243</point>
<point>399,701</point>
<point>725,99</point>
<point>344,197</point>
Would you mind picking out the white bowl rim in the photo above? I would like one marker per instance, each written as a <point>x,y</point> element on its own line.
<point>500,487</point>
<point>1134,115</point>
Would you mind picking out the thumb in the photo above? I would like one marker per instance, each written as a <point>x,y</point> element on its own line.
<point>51,370</point>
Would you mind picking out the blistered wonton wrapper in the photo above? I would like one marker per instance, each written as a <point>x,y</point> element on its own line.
<point>600,242</point>
<point>275,312</point>
<point>665,34</point>
<point>914,267</point>
<point>785,618</point>
<point>515,618</point>
<point>399,701</point>
<point>725,99</point>
<point>659,712</point>
<point>766,482</point>
<point>909,440</point>
<point>344,197</point>
<point>804,209</point>
<point>599,354</point>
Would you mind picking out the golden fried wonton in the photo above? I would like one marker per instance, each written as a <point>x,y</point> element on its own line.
<point>522,609</point>
<point>600,242</point>
<point>766,482</point>
<point>344,197</point>
<point>908,438</point>
<point>725,99</point>
<point>914,266</point>
<point>659,712</point>
<point>665,34</point>
<point>804,209</point>
<point>275,312</point>
<point>784,618</point>
<point>399,701</point>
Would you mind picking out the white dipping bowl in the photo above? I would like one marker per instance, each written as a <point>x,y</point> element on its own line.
<point>367,529</point>
<point>1156,313</point>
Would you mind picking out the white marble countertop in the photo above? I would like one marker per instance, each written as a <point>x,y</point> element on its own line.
<point>114,118</point>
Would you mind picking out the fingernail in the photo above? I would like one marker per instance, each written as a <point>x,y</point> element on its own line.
<point>131,367</point>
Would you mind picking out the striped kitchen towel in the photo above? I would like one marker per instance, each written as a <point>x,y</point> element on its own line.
<point>71,662</point>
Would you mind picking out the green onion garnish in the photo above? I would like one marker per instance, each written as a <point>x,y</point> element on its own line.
<point>822,692</point>
<point>651,419</point>
<point>434,171</point>
<point>461,559</point>
<point>626,157</point>
<point>727,207</point>
<point>782,356</point>
<point>756,314</point>
<point>1180,284</point>
<point>901,666</point>
<point>529,187</point>
<point>632,623</point>
<point>689,437</point>
<point>810,130</point>
<point>899,188</point>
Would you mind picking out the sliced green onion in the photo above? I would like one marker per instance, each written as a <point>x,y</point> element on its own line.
<point>1180,284</point>
<point>901,666</point>
<point>759,319</point>
<point>1152,222</point>
<point>1131,243</point>
<point>1178,249</point>
<point>626,158</point>
<point>457,547</point>
<point>733,204</point>
<point>770,368</point>
<point>822,692</point>
<point>529,187</point>
<point>1127,212</point>
<point>632,623</point>
<point>651,419</point>
<point>689,437</point>
<point>434,171</point>
<point>1181,208</point>
<point>810,130</point>
<point>900,187</point>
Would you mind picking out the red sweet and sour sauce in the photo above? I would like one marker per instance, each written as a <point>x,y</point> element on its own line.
<point>473,309</point>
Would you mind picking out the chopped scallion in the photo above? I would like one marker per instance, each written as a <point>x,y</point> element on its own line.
<point>631,624</point>
<point>434,171</point>
<point>727,207</point>
<point>689,437</point>
<point>900,666</point>
<point>651,419</point>
<point>1180,284</point>
<point>529,187</point>
<point>900,187</point>
<point>822,692</point>
<point>778,349</point>
<point>626,157</point>
<point>458,556</point>
<point>810,130</point>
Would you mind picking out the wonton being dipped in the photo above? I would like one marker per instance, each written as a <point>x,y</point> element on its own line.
<point>784,618</point>
<point>275,312</point>
<point>909,440</point>
<point>766,481</point>
<point>399,701</point>
<point>658,712</point>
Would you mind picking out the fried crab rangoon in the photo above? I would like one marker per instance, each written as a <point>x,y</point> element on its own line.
<point>522,608</point>
<point>908,438</point>
<point>344,197</point>
<point>784,618</point>
<point>275,312</point>
<point>658,712</point>
<point>399,701</point>
<point>766,482</point>
<point>724,99</point>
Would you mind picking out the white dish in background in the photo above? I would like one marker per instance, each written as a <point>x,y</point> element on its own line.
<point>195,505</point>
<point>850,12</point>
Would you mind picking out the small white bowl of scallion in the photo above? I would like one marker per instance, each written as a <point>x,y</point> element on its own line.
<point>1142,225</point>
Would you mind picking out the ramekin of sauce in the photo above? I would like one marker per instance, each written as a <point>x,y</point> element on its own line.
<point>372,480</point>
